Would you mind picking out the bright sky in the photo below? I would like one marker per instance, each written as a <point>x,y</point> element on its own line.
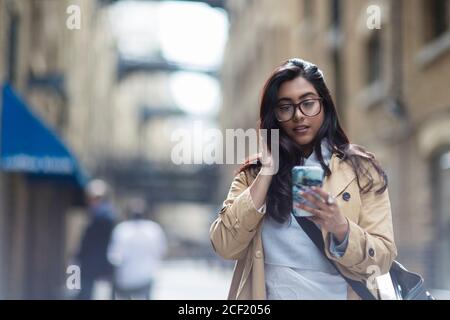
<point>192,33</point>
<point>134,25</point>
<point>195,93</point>
<point>187,33</point>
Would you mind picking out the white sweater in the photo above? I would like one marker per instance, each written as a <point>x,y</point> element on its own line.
<point>294,267</point>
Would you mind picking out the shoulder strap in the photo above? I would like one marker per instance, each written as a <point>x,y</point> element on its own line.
<point>316,236</point>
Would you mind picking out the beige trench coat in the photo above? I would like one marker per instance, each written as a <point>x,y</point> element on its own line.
<point>236,233</point>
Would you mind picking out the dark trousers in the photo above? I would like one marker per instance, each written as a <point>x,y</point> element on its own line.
<point>87,286</point>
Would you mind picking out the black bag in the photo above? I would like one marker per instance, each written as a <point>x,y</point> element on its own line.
<point>407,285</point>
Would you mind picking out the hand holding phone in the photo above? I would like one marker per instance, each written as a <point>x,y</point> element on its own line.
<point>303,178</point>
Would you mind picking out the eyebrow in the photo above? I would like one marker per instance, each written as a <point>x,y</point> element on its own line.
<point>307,94</point>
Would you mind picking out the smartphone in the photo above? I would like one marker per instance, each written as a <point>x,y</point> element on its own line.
<point>303,178</point>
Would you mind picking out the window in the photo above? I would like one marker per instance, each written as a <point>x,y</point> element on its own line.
<point>436,18</point>
<point>374,57</point>
<point>12,46</point>
<point>335,14</point>
<point>441,208</point>
<point>307,9</point>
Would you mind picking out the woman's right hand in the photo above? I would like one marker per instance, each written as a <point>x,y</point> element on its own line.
<point>260,186</point>
<point>269,167</point>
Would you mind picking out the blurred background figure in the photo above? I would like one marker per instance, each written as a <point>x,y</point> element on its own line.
<point>92,256</point>
<point>136,250</point>
<point>156,67</point>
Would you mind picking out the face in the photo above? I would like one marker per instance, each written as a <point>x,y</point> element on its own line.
<point>92,200</point>
<point>301,128</point>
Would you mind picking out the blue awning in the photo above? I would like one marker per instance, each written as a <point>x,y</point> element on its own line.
<point>28,145</point>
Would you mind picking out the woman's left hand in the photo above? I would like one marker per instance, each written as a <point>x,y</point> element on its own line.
<point>328,216</point>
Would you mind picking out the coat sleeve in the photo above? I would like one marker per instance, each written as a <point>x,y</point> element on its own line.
<point>371,246</point>
<point>237,222</point>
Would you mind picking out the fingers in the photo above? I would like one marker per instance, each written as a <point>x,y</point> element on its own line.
<point>322,193</point>
<point>266,157</point>
<point>263,142</point>
<point>316,212</point>
<point>313,199</point>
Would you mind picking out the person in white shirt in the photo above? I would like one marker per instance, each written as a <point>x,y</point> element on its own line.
<point>137,247</point>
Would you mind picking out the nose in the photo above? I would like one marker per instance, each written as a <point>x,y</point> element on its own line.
<point>298,115</point>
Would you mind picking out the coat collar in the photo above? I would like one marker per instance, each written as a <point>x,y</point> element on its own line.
<point>342,174</point>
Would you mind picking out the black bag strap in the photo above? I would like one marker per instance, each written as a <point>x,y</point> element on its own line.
<point>315,235</point>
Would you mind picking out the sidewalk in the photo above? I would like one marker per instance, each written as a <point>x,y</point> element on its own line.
<point>190,279</point>
<point>184,280</point>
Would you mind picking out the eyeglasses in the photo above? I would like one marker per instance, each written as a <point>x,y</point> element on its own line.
<point>309,107</point>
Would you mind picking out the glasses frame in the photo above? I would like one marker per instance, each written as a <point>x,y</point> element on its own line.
<point>298,106</point>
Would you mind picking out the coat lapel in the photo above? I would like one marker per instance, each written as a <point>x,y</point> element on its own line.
<point>341,176</point>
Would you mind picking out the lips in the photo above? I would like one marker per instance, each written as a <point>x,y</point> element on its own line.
<point>301,129</point>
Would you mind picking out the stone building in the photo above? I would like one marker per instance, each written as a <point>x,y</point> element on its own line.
<point>64,79</point>
<point>387,64</point>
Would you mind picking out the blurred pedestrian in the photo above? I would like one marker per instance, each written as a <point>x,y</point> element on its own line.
<point>92,255</point>
<point>136,250</point>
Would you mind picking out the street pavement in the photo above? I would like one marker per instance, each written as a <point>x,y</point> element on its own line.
<point>184,280</point>
<point>191,279</point>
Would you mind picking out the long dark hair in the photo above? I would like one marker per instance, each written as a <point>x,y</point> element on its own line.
<point>279,196</point>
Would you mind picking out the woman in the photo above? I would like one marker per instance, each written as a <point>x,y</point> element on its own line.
<point>275,257</point>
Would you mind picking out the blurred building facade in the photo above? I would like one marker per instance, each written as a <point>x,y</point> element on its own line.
<point>116,115</point>
<point>66,77</point>
<point>389,85</point>
<point>181,197</point>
